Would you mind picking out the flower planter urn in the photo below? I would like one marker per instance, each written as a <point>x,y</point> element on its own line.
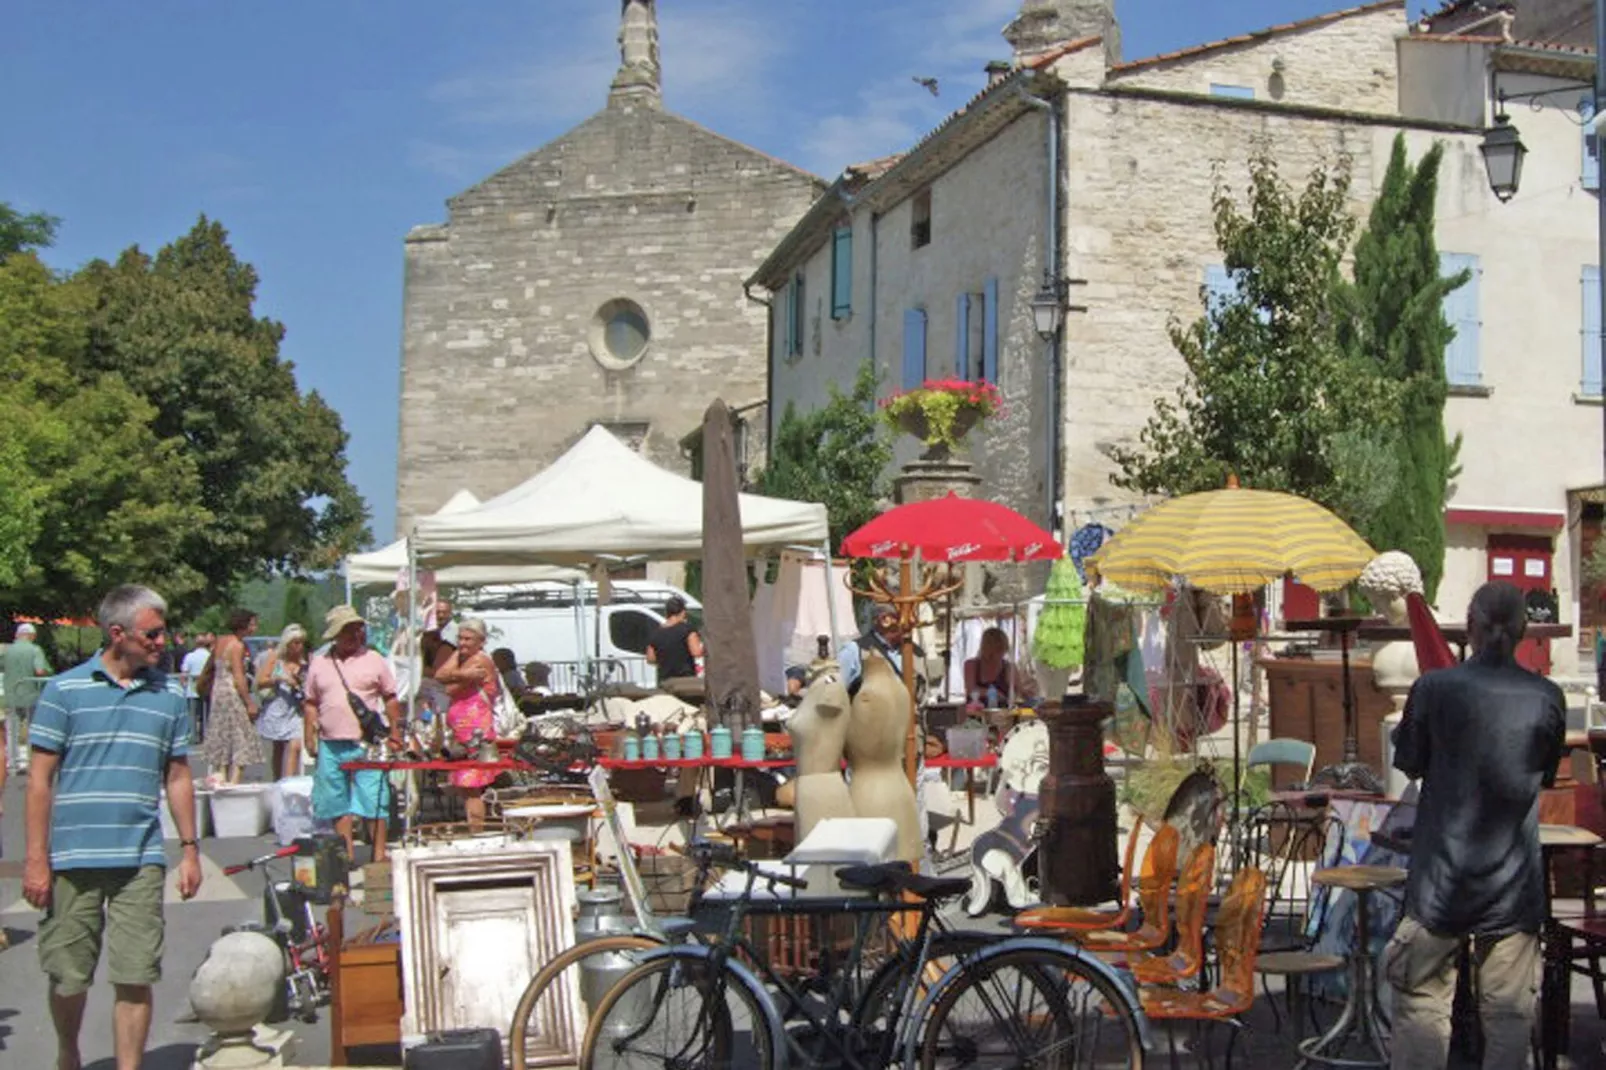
<point>913,422</point>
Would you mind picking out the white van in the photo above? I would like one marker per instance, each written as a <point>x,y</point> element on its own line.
<point>543,622</point>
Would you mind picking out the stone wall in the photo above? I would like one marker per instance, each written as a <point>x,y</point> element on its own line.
<point>1347,62</point>
<point>499,372</point>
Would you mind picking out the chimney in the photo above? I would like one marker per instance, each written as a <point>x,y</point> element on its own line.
<point>998,70</point>
<point>1042,24</point>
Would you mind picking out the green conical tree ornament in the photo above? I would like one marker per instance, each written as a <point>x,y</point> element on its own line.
<point>1062,626</point>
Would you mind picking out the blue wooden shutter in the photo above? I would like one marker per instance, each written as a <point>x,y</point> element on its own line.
<point>1461,366</point>
<point>962,336</point>
<point>1589,177</point>
<point>789,320</point>
<point>914,348</point>
<point>989,341</point>
<point>800,315</point>
<point>1591,332</point>
<point>841,272</point>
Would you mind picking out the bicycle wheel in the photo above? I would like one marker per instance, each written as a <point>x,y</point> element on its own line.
<point>525,1022</point>
<point>676,1012</point>
<point>1028,1008</point>
<point>873,1012</point>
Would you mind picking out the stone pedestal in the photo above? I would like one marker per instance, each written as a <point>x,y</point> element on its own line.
<point>1077,857</point>
<point>922,481</point>
<point>261,1049</point>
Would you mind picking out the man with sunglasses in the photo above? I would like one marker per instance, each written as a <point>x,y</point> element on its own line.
<point>108,737</point>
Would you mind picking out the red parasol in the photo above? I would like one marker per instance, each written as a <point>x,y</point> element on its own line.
<point>1432,650</point>
<point>953,529</point>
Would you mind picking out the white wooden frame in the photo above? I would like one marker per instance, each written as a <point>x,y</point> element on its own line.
<point>457,900</point>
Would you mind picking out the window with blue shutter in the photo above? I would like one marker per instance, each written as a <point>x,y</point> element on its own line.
<point>1461,366</point>
<point>1238,92</point>
<point>989,337</point>
<point>1591,332</point>
<point>841,272</point>
<point>914,348</point>
<point>1221,288</point>
<point>1589,176</point>
<point>962,336</point>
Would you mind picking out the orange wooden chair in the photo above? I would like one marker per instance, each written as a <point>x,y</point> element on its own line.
<point>1237,934</point>
<point>1193,898</point>
<point>1058,919</point>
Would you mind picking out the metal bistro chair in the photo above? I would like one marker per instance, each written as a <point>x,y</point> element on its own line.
<point>1085,918</point>
<point>1296,907</point>
<point>1154,899</point>
<point>1186,959</point>
<point>1294,752</point>
<point>1237,940</point>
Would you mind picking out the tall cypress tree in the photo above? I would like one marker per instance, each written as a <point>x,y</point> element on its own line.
<point>1398,323</point>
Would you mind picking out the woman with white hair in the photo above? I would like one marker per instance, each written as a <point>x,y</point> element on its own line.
<point>280,681</point>
<point>470,678</point>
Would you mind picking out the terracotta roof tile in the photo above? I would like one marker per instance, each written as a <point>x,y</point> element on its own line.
<point>1037,61</point>
<point>872,169</point>
<point>1257,35</point>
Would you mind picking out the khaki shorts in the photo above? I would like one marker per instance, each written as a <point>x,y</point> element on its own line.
<point>123,906</point>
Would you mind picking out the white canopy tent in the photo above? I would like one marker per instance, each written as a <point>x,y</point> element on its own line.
<point>603,500</point>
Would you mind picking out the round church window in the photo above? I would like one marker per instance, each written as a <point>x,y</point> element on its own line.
<point>620,334</point>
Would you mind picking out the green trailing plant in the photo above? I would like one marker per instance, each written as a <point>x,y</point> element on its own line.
<point>942,402</point>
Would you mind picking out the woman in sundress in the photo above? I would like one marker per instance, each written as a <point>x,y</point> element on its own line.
<point>231,741</point>
<point>470,678</point>
<point>279,681</point>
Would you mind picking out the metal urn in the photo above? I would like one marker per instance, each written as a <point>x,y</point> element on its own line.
<point>1077,856</point>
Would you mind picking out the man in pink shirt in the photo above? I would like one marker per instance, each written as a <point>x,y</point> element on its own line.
<point>334,734</point>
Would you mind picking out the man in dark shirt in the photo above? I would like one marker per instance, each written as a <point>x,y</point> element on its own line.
<point>675,645</point>
<point>1483,737</point>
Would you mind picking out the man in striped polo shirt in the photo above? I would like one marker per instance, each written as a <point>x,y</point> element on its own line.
<point>107,737</point>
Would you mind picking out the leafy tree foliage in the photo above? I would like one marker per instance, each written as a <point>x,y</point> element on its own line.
<point>837,454</point>
<point>1269,387</point>
<point>179,328</point>
<point>1398,326</point>
<point>21,233</point>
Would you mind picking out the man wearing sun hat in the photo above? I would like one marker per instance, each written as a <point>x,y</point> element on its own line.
<point>334,734</point>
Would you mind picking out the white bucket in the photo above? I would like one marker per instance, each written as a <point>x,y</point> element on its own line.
<point>290,805</point>
<point>240,809</point>
<point>203,816</point>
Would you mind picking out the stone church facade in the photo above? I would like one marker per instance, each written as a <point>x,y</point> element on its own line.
<point>596,280</point>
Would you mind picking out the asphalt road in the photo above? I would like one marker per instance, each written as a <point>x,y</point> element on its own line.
<point>27,1039</point>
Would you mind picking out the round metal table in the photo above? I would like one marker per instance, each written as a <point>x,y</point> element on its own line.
<point>1359,1038</point>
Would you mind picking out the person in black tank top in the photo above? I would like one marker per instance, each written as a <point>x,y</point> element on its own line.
<point>675,645</point>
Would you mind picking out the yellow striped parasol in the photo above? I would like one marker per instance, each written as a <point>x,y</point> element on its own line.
<point>1233,541</point>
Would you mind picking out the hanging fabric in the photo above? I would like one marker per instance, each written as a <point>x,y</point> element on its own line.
<point>1085,542</point>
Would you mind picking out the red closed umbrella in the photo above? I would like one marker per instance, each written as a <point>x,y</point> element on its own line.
<point>953,529</point>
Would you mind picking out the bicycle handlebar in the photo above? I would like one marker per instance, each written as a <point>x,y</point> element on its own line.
<point>283,852</point>
<point>708,853</point>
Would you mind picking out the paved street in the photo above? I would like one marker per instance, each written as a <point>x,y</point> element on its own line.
<point>26,1037</point>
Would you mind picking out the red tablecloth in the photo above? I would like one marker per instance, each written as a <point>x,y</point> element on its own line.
<point>434,765</point>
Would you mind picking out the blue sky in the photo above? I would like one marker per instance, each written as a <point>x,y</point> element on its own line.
<point>319,131</point>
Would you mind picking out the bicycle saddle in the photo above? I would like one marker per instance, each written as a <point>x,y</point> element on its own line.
<point>899,877</point>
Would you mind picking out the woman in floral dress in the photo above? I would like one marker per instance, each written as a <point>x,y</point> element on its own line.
<point>470,678</point>
<point>280,679</point>
<point>231,741</point>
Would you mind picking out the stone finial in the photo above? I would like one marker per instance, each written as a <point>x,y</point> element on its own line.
<point>639,77</point>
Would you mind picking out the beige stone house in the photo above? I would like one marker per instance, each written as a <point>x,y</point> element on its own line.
<point>596,280</point>
<point>1101,170</point>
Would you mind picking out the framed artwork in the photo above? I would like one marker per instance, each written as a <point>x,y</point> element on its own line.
<point>478,919</point>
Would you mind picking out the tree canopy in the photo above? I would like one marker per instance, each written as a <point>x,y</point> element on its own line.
<point>150,431</point>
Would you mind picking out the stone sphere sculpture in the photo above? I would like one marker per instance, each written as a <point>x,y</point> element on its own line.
<point>234,988</point>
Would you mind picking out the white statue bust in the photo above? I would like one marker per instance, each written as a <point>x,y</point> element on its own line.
<point>1385,582</point>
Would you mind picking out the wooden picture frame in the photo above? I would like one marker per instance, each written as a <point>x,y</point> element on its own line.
<point>478,919</point>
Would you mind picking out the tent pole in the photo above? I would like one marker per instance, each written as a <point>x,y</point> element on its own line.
<point>908,612</point>
<point>830,593</point>
<point>416,656</point>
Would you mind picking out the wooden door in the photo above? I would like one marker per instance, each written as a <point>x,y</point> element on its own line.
<point>1524,561</point>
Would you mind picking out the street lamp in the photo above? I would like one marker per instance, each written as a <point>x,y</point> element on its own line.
<point>1503,151</point>
<point>1048,307</point>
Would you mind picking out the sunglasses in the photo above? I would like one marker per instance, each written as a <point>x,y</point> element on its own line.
<point>150,634</point>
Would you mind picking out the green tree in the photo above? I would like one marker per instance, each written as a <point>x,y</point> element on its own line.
<point>90,495</point>
<point>837,454</point>
<point>1268,385</point>
<point>21,233</point>
<point>181,330</point>
<point>1398,326</point>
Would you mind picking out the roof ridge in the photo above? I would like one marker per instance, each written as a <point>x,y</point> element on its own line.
<point>1256,35</point>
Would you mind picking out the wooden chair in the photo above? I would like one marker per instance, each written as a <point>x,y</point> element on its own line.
<point>1083,918</point>
<point>1237,934</point>
<point>1193,899</point>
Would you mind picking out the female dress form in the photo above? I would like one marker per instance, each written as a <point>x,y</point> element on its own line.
<point>878,730</point>
<point>819,729</point>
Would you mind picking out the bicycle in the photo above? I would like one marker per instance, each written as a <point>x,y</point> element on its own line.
<point>702,1004</point>
<point>288,919</point>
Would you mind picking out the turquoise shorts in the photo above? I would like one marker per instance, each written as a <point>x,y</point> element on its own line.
<point>336,793</point>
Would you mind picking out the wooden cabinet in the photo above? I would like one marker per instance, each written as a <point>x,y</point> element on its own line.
<point>365,1004</point>
<point>1307,702</point>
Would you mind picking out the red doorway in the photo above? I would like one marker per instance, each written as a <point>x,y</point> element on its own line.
<point>1524,561</point>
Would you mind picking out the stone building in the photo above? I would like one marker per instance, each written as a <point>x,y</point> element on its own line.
<point>1100,170</point>
<point>596,280</point>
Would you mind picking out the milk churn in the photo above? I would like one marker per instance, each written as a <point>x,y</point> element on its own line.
<point>602,913</point>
